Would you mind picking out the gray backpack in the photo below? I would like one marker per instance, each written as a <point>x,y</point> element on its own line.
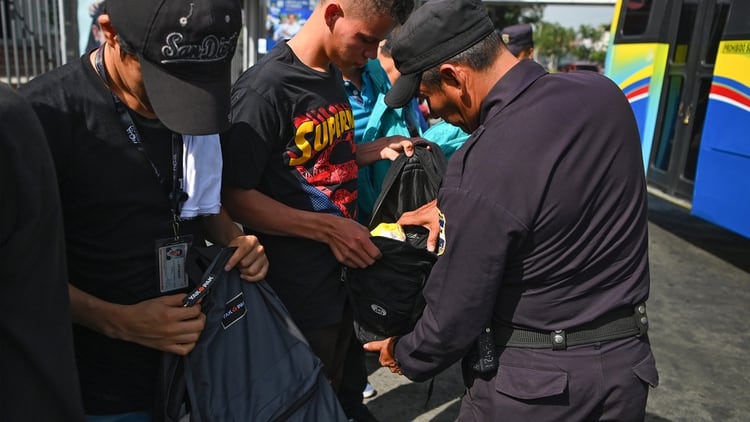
<point>251,363</point>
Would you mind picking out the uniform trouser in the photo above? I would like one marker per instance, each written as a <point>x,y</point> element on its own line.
<point>596,382</point>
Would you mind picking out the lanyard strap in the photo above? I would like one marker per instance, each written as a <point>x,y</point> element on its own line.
<point>177,195</point>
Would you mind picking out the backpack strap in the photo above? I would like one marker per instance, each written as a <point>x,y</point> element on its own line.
<point>431,160</point>
<point>393,175</point>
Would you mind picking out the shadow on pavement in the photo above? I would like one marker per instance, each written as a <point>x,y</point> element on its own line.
<point>401,400</point>
<point>654,418</point>
<point>405,403</point>
<point>720,242</point>
<point>448,414</point>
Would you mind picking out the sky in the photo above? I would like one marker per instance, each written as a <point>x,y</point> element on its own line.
<point>575,16</point>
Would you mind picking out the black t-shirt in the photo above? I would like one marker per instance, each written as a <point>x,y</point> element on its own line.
<point>38,379</point>
<point>114,210</point>
<point>292,138</point>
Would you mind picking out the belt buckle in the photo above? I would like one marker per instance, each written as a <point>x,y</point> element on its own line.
<point>559,340</point>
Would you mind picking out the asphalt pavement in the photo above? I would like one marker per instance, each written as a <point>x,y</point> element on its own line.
<point>699,317</point>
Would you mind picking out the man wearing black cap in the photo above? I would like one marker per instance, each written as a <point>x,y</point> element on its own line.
<point>542,224</point>
<point>519,40</point>
<point>132,128</point>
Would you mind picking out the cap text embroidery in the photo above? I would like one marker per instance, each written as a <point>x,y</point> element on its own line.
<point>210,49</point>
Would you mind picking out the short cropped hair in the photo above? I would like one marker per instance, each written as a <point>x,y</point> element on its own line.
<point>397,9</point>
<point>480,56</point>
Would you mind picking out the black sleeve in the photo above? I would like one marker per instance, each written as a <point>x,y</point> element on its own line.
<point>57,120</point>
<point>7,192</point>
<point>36,350</point>
<point>247,145</point>
<point>461,290</point>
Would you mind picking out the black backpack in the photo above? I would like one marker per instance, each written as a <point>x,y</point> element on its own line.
<point>410,183</point>
<point>386,297</point>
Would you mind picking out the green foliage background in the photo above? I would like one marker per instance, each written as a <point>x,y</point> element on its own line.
<point>553,43</point>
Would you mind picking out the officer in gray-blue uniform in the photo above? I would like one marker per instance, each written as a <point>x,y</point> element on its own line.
<point>543,228</point>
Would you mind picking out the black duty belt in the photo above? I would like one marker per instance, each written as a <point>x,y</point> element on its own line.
<point>617,324</point>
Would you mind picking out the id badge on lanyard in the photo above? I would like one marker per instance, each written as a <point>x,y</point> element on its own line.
<point>171,254</point>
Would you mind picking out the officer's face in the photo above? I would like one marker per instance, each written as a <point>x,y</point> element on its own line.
<point>444,101</point>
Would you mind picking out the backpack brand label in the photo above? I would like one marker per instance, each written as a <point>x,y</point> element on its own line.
<point>378,309</point>
<point>234,310</point>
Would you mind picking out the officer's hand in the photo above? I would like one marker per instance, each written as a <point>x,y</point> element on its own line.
<point>428,216</point>
<point>386,350</point>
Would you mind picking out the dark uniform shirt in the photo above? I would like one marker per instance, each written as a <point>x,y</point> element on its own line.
<point>545,216</point>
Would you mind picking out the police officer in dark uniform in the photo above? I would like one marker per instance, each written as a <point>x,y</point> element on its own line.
<point>543,273</point>
<point>519,39</point>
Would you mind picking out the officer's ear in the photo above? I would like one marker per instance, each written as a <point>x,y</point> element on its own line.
<point>453,76</point>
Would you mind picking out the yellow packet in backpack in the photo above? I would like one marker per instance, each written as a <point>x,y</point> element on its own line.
<point>389,230</point>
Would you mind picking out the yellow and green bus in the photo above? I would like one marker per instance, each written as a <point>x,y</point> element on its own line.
<point>685,67</point>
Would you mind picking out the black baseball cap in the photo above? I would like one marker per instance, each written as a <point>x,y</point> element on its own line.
<point>517,37</point>
<point>185,49</point>
<point>434,33</point>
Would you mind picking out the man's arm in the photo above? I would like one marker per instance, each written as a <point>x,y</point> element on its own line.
<point>249,258</point>
<point>161,323</point>
<point>349,240</point>
<point>385,148</point>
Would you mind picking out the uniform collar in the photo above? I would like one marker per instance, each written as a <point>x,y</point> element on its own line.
<point>510,86</point>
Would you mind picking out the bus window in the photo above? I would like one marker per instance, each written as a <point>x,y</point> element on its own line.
<point>695,136</point>
<point>717,28</point>
<point>635,17</point>
<point>684,33</point>
<point>738,25</point>
<point>672,111</point>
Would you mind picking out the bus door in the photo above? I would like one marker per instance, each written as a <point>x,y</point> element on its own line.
<point>722,182</point>
<point>694,32</point>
